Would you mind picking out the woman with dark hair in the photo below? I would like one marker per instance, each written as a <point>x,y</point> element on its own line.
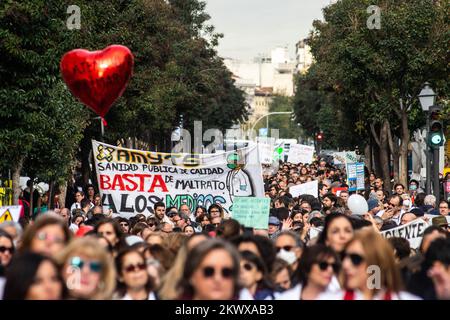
<point>214,211</point>
<point>32,276</point>
<point>134,283</point>
<point>203,220</point>
<point>188,230</point>
<point>199,210</point>
<point>254,276</point>
<point>228,229</point>
<point>48,235</point>
<point>111,230</point>
<point>317,266</point>
<point>211,272</point>
<point>6,248</point>
<point>337,232</point>
<point>124,225</point>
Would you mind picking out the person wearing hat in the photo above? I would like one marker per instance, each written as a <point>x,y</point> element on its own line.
<point>441,222</point>
<point>374,206</point>
<point>274,227</point>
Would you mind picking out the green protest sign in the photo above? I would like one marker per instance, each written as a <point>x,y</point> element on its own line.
<point>251,212</point>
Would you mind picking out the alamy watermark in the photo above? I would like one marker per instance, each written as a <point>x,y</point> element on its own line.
<point>374,20</point>
<point>74,20</point>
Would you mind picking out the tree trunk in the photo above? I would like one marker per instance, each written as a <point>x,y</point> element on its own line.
<point>403,175</point>
<point>51,192</point>
<point>368,157</point>
<point>63,192</point>
<point>393,147</point>
<point>383,154</point>
<point>16,169</point>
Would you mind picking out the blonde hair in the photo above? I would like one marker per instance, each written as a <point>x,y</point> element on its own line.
<point>169,289</point>
<point>91,248</point>
<point>379,252</point>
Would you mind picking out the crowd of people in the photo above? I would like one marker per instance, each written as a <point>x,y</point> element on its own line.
<point>313,248</point>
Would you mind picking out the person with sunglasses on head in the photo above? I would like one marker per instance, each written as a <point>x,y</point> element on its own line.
<point>48,235</point>
<point>254,277</point>
<point>369,270</point>
<point>211,272</point>
<point>88,270</point>
<point>134,282</point>
<point>317,267</point>
<point>33,276</point>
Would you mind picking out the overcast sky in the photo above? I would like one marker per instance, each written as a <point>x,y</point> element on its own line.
<point>251,27</point>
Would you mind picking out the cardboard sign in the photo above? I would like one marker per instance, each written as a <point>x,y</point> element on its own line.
<point>344,157</point>
<point>10,213</point>
<point>355,176</point>
<point>311,188</point>
<point>251,212</point>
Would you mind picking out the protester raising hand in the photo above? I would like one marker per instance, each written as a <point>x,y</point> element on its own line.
<point>287,224</point>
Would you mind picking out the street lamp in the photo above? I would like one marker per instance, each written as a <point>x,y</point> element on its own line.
<point>427,98</point>
<point>267,115</point>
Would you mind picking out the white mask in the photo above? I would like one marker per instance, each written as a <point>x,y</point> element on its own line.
<point>288,256</point>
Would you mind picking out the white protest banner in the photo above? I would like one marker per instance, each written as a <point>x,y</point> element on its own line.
<point>10,213</point>
<point>132,181</point>
<point>413,232</point>
<point>265,151</point>
<point>311,188</point>
<point>252,212</point>
<point>299,153</point>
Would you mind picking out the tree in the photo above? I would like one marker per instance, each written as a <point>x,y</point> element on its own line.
<point>38,132</point>
<point>382,71</point>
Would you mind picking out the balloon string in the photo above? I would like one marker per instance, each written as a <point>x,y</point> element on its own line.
<point>104,122</point>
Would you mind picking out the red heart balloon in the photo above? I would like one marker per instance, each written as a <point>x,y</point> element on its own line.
<point>98,78</point>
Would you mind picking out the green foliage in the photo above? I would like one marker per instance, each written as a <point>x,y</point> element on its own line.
<point>370,70</point>
<point>177,72</point>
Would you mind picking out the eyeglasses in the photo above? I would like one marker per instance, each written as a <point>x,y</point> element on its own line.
<point>135,267</point>
<point>124,224</point>
<point>355,258</point>
<point>324,266</point>
<point>248,266</point>
<point>94,266</point>
<point>4,249</point>
<point>208,272</point>
<point>45,236</point>
<point>286,248</point>
<point>151,224</point>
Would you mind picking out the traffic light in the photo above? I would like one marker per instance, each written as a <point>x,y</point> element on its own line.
<point>319,136</point>
<point>436,132</point>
